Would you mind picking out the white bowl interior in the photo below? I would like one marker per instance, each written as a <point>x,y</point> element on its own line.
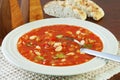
<point>9,47</point>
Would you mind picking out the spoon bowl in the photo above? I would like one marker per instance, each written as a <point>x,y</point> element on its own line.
<point>94,52</point>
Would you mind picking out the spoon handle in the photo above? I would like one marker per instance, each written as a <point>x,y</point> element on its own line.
<point>101,54</point>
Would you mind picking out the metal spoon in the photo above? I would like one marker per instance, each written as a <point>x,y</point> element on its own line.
<point>96,53</point>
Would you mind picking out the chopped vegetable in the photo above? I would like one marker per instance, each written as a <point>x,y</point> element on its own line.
<point>70,53</point>
<point>69,32</point>
<point>78,32</point>
<point>87,45</point>
<point>37,52</point>
<point>59,36</point>
<point>57,44</point>
<point>59,56</point>
<point>33,37</point>
<point>59,48</point>
<point>38,47</point>
<point>39,57</point>
<point>29,44</point>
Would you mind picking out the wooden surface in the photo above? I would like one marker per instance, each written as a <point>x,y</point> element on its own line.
<point>10,16</point>
<point>5,19</point>
<point>16,15</point>
<point>111,20</point>
<point>36,12</point>
<point>24,6</point>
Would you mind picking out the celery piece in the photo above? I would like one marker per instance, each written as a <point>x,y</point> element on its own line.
<point>59,56</point>
<point>87,45</point>
<point>39,58</point>
<point>59,36</point>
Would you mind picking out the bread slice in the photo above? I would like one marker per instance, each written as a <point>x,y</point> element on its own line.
<point>59,9</point>
<point>90,7</point>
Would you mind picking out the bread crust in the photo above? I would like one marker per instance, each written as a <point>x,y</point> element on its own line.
<point>80,9</point>
<point>91,8</point>
<point>60,9</point>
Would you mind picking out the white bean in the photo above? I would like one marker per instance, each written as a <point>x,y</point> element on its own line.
<point>59,48</point>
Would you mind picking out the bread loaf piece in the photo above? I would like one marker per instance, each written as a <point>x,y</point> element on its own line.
<point>60,9</point>
<point>90,7</point>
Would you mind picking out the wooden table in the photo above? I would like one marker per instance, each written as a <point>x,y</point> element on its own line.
<point>111,20</point>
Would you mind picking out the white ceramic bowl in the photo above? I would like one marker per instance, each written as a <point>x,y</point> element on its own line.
<point>9,47</point>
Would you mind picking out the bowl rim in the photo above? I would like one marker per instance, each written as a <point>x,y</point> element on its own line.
<point>10,51</point>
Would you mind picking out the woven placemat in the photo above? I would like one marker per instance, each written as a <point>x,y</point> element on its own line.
<point>10,72</point>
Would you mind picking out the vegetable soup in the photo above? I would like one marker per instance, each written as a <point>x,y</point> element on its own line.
<point>46,45</point>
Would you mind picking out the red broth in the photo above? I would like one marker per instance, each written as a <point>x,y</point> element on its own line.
<point>46,45</point>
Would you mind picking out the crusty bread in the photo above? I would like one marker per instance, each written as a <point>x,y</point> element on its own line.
<point>90,7</point>
<point>59,9</point>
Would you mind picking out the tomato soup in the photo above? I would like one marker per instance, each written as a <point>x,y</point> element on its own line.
<point>46,45</point>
